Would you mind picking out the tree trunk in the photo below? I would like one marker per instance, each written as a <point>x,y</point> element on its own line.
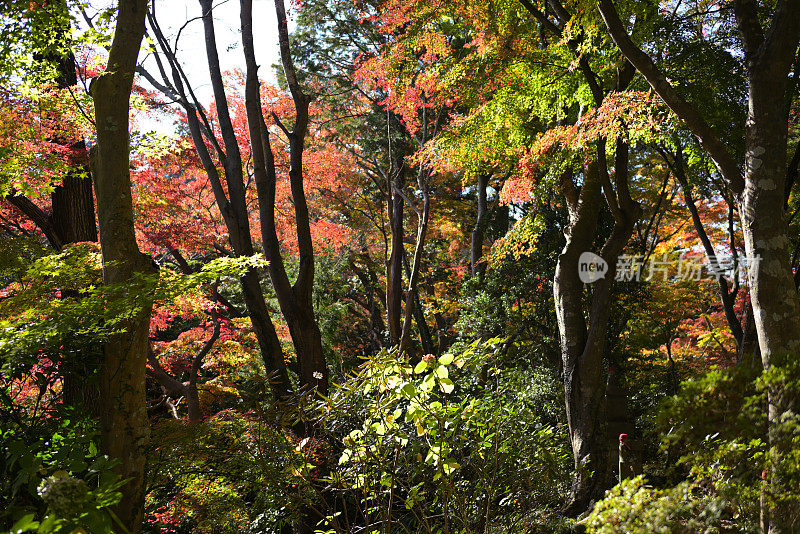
<point>582,362</point>
<point>583,343</point>
<point>423,176</point>
<point>125,428</point>
<point>477,267</point>
<point>73,204</point>
<point>232,205</point>
<point>776,309</point>
<point>394,265</point>
<point>425,339</point>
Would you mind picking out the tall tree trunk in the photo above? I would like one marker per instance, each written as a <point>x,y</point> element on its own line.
<point>302,321</point>
<point>232,205</point>
<point>125,429</point>
<point>583,343</point>
<point>582,362</point>
<point>776,309</point>
<point>394,265</point>
<point>477,267</point>
<point>295,300</point>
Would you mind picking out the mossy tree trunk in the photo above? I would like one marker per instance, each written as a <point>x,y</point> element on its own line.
<point>125,428</point>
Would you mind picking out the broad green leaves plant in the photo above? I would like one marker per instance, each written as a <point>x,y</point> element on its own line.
<point>441,442</point>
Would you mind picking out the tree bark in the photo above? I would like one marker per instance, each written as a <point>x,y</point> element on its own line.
<point>477,267</point>
<point>776,309</point>
<point>73,204</point>
<point>125,429</point>
<point>394,265</point>
<point>582,363</point>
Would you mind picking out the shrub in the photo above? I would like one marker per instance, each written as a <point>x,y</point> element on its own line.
<point>632,507</point>
<point>440,444</point>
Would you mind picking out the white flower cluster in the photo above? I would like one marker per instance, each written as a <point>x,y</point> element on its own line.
<point>64,495</point>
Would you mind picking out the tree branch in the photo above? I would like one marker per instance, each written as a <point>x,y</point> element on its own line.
<point>750,30</point>
<point>37,215</point>
<point>683,109</point>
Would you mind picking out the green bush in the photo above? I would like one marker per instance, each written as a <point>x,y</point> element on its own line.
<point>225,475</point>
<point>719,448</point>
<point>631,507</point>
<point>53,480</point>
<point>441,444</point>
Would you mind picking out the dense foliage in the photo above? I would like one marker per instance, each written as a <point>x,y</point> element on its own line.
<point>468,266</point>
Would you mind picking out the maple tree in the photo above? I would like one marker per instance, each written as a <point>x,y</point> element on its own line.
<point>436,83</point>
<point>352,298</point>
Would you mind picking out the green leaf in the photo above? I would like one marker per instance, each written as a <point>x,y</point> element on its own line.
<point>25,524</point>
<point>446,385</point>
<point>450,465</point>
<point>441,372</point>
<point>427,383</point>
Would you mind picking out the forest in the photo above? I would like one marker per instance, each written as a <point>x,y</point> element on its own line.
<point>399,266</point>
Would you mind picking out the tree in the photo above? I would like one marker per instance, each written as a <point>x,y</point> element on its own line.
<point>295,299</point>
<point>125,429</point>
<point>71,215</point>
<point>189,389</point>
<point>343,68</point>
<point>758,185</point>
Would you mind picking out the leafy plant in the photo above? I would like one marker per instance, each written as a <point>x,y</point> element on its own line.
<point>440,443</point>
<point>54,479</point>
